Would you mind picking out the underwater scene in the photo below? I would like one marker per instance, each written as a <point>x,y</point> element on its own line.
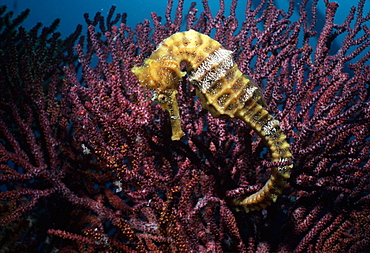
<point>185,126</point>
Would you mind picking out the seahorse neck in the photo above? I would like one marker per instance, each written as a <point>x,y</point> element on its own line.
<point>190,47</point>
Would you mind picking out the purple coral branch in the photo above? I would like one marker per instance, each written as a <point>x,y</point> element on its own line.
<point>93,146</point>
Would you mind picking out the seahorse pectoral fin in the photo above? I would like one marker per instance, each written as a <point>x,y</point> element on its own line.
<point>206,105</point>
<point>172,67</point>
<point>169,103</point>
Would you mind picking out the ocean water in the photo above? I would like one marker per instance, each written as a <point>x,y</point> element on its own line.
<point>71,11</point>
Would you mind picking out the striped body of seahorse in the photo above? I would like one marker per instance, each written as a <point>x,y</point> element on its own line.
<point>223,90</point>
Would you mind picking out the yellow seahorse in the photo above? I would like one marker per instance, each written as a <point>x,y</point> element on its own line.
<point>224,91</point>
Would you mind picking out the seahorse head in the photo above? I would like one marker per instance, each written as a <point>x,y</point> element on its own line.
<point>161,77</point>
<point>159,74</point>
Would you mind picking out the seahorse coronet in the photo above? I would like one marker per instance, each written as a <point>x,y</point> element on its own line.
<point>224,92</point>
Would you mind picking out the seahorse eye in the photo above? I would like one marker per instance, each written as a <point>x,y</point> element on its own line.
<point>162,98</point>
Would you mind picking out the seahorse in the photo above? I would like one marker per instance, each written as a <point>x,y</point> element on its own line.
<point>224,92</point>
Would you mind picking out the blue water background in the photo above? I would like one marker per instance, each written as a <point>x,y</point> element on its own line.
<point>71,11</point>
